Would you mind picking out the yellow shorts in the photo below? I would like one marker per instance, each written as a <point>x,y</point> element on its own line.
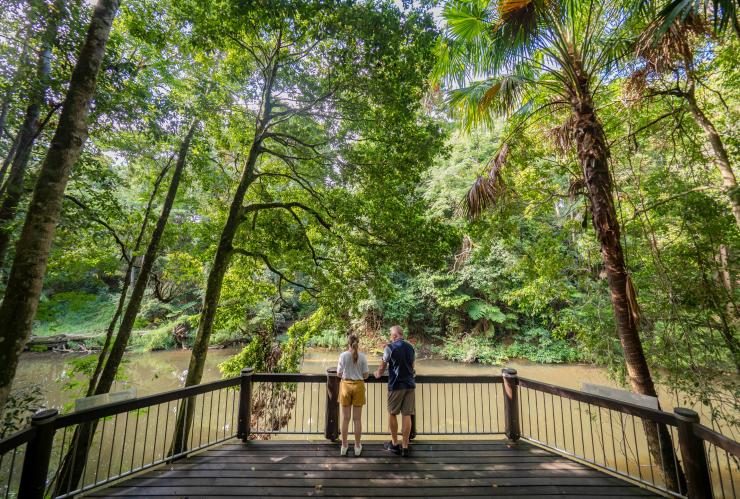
<point>352,392</point>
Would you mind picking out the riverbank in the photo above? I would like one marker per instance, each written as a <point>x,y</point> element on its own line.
<point>154,372</point>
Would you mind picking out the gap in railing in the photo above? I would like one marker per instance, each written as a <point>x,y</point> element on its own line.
<point>11,464</point>
<point>724,468</point>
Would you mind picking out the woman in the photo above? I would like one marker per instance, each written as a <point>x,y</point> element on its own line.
<point>353,370</point>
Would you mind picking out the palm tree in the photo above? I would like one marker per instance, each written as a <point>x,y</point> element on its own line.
<point>522,58</point>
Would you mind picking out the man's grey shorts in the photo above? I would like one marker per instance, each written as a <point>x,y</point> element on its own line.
<point>403,401</point>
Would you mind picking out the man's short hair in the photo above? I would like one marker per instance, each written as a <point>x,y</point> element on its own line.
<point>397,329</point>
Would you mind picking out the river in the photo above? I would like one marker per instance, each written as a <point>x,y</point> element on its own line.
<point>154,372</point>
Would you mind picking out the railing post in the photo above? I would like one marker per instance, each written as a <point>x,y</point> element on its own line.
<point>38,454</point>
<point>694,458</point>
<point>511,403</point>
<point>331,431</point>
<point>243,428</point>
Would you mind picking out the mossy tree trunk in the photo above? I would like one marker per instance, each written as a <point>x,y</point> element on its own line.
<point>21,300</point>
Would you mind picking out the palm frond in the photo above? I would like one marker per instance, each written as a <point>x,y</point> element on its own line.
<point>488,188</point>
<point>466,20</point>
<point>563,136</point>
<point>482,101</point>
<point>665,49</point>
<point>723,13</point>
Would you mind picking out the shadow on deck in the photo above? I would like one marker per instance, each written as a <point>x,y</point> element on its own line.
<point>315,469</point>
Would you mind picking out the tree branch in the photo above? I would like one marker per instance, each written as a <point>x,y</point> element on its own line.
<point>124,251</point>
<point>285,206</point>
<point>263,257</point>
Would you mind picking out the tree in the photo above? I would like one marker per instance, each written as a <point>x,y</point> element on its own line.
<point>326,76</point>
<point>32,124</point>
<point>70,474</point>
<point>537,57</point>
<point>25,281</point>
<point>670,51</point>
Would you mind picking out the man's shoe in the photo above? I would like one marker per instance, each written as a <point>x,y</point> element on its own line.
<point>406,452</point>
<point>396,449</point>
<point>358,450</point>
<point>343,450</point>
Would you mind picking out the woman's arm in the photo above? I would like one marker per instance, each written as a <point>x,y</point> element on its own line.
<point>340,367</point>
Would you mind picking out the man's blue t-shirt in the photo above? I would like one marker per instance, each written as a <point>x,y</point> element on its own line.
<point>399,356</point>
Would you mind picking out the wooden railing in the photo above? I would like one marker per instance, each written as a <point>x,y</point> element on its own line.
<point>62,456</point>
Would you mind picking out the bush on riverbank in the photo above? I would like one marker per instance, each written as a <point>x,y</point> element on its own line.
<point>536,345</point>
<point>77,312</point>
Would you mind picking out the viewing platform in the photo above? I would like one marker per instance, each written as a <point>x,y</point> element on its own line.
<point>315,469</point>
<point>275,435</point>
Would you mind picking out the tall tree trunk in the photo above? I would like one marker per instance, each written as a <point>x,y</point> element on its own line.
<point>127,281</point>
<point>729,181</point>
<point>593,154</point>
<point>8,98</point>
<point>223,257</point>
<point>19,305</point>
<point>74,461</point>
<point>213,293</point>
<point>29,129</point>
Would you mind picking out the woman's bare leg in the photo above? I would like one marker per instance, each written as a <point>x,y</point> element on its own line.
<point>346,413</point>
<point>357,417</point>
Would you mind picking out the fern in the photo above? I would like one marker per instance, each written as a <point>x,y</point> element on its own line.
<point>478,310</point>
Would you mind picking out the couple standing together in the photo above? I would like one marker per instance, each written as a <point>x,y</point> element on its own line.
<point>398,358</point>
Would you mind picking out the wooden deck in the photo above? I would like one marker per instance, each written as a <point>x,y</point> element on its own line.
<point>315,469</point>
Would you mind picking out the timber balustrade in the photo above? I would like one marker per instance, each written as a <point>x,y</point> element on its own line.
<point>65,455</point>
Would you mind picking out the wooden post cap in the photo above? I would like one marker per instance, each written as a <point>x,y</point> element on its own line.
<point>44,416</point>
<point>247,371</point>
<point>508,372</point>
<point>686,414</point>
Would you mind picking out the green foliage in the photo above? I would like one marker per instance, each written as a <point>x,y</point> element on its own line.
<point>471,349</point>
<point>478,310</point>
<point>329,338</point>
<point>386,170</point>
<point>74,312</point>
<point>536,345</point>
<point>160,337</point>
<point>539,345</point>
<point>21,405</point>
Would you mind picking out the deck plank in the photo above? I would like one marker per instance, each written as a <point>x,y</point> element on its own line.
<point>311,469</point>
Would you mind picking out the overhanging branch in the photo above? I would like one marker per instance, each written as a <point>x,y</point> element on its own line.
<point>263,257</point>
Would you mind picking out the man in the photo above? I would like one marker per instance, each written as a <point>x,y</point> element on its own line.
<point>399,357</point>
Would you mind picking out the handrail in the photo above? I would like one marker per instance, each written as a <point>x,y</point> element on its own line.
<point>717,439</point>
<point>17,439</point>
<point>419,378</point>
<point>112,408</point>
<point>602,401</point>
<point>518,413</point>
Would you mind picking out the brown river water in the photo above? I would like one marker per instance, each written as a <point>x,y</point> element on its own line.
<point>154,372</point>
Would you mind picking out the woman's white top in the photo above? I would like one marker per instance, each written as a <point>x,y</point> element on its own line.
<point>350,369</point>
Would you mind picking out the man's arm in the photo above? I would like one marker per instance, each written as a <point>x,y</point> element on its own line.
<point>384,362</point>
<point>381,369</point>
